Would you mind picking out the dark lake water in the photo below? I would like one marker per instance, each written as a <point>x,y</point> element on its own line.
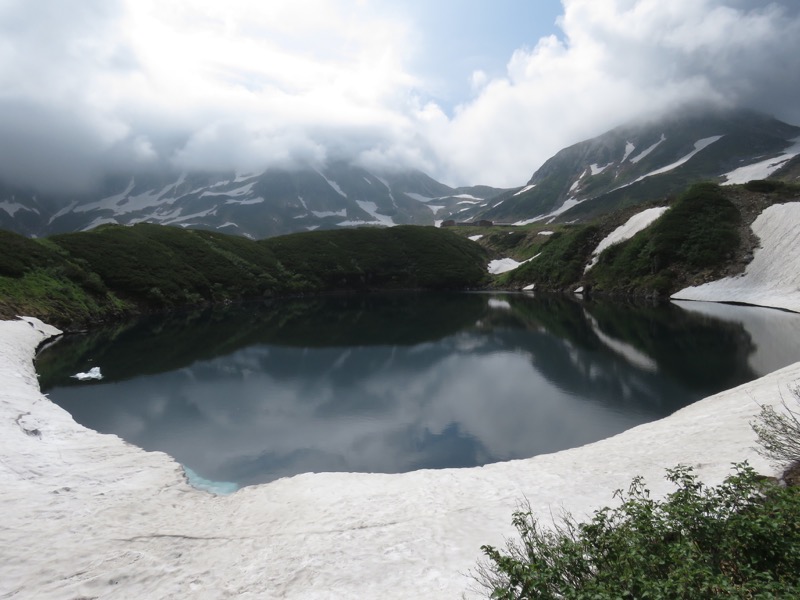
<point>402,382</point>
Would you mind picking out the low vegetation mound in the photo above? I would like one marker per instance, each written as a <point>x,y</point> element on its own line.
<point>114,270</point>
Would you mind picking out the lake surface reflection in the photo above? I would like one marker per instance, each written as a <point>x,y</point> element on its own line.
<point>403,382</point>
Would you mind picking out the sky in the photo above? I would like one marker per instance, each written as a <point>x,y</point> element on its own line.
<point>469,91</point>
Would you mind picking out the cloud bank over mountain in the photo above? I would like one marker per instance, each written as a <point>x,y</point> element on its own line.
<point>91,86</point>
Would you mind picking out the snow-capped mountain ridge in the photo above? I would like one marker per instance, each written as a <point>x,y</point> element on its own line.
<point>256,205</point>
<point>647,161</point>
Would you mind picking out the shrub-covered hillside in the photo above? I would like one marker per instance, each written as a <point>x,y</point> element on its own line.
<point>113,270</point>
<point>705,235</point>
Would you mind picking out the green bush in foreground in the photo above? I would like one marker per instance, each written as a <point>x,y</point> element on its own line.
<point>740,539</point>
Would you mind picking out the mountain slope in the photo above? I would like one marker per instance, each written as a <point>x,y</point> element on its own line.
<point>646,161</point>
<point>255,205</point>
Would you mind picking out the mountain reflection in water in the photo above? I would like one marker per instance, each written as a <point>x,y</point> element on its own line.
<point>393,383</point>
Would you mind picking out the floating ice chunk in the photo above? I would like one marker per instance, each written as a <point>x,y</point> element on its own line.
<point>93,373</point>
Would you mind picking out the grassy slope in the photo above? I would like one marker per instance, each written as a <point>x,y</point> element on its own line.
<point>705,235</point>
<point>83,277</point>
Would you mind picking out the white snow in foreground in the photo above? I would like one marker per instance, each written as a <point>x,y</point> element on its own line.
<point>698,146</point>
<point>773,276</point>
<point>632,226</point>
<point>475,238</point>
<point>762,169</point>
<point>87,515</point>
<point>93,373</point>
<point>545,233</point>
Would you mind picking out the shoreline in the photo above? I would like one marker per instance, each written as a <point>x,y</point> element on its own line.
<point>88,515</point>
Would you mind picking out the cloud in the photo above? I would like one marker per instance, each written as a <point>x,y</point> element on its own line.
<point>88,86</point>
<point>618,60</point>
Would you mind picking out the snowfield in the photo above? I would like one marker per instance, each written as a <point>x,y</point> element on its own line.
<point>773,276</point>
<point>87,515</point>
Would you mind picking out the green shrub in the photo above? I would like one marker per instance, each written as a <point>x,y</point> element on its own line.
<point>700,232</point>
<point>561,261</point>
<point>740,539</point>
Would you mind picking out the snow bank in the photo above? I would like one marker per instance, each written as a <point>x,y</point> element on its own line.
<point>773,277</point>
<point>632,226</point>
<point>763,168</point>
<point>502,265</point>
<point>87,515</point>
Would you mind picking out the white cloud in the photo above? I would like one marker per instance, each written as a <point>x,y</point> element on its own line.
<point>618,60</point>
<point>90,84</point>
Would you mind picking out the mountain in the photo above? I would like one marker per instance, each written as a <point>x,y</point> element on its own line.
<point>646,161</point>
<point>256,205</point>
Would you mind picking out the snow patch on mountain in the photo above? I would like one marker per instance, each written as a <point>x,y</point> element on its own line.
<point>629,148</point>
<point>772,278</point>
<point>644,153</point>
<point>597,169</point>
<point>630,228</point>
<point>698,146</point>
<point>109,202</point>
<point>67,209</point>
<point>12,208</point>
<point>329,213</point>
<point>525,189</point>
<point>333,184</point>
<point>257,200</point>
<point>240,191</point>
<point>419,197</point>
<point>762,169</point>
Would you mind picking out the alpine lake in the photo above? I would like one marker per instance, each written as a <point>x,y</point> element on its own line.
<point>247,394</point>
